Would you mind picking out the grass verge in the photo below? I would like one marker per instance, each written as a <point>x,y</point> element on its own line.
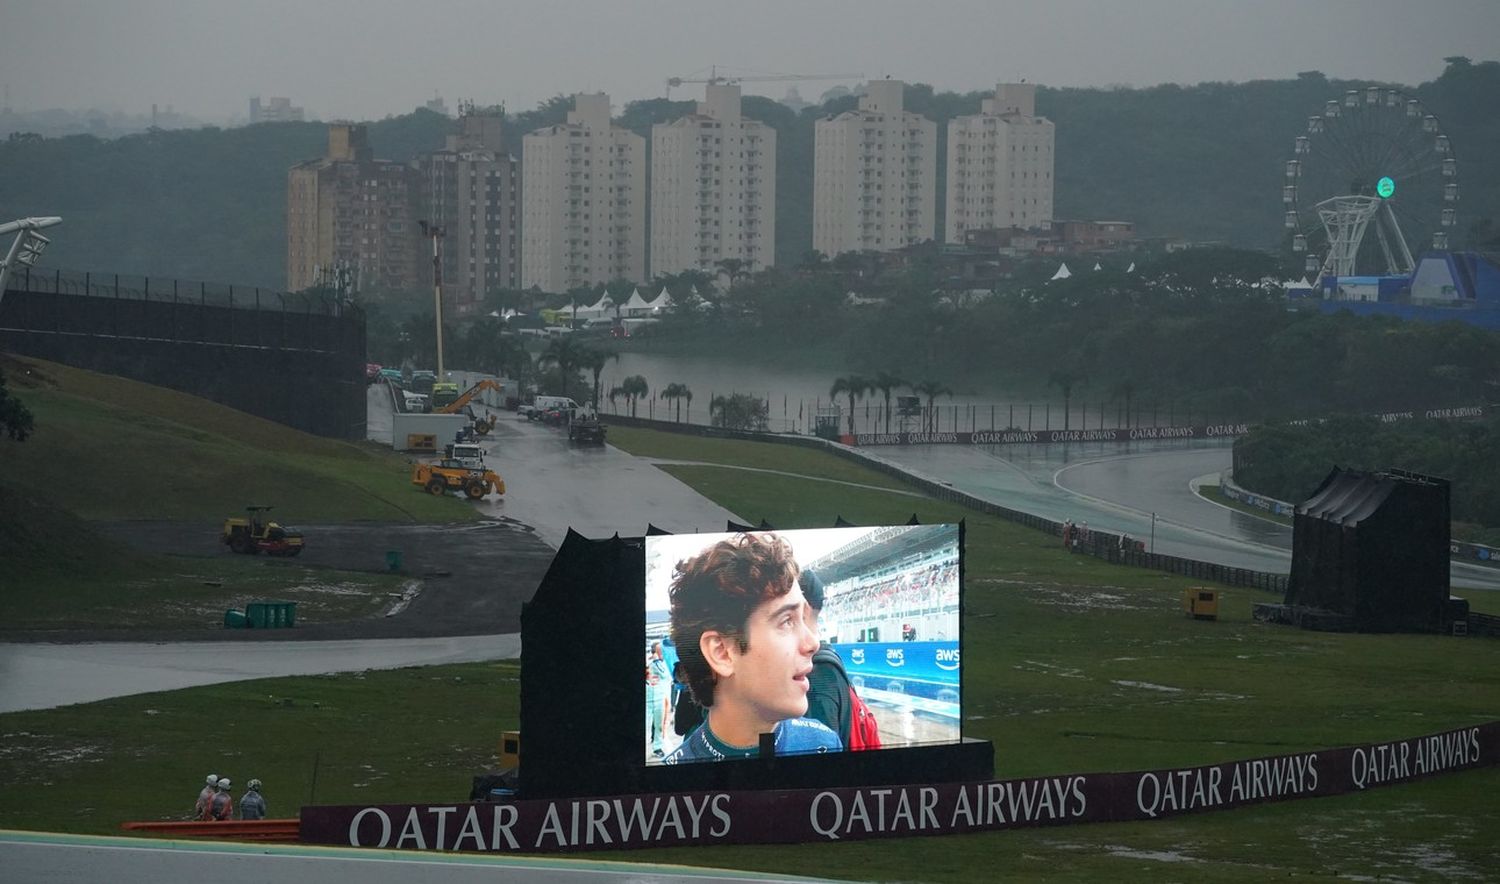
<point>1070,665</point>
<point>109,448</point>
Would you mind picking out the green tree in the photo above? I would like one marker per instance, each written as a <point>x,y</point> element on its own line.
<point>739,411</point>
<point>677,392</point>
<point>15,418</point>
<point>632,389</point>
<point>854,388</point>
<point>566,355</point>
<point>885,382</point>
<point>931,390</point>
<point>594,360</point>
<point>1065,381</point>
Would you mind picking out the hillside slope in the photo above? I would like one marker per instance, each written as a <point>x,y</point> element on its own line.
<point>106,448</point>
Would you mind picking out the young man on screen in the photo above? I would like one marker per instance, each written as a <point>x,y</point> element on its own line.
<point>739,624</point>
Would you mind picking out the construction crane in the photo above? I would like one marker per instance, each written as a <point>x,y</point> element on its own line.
<point>714,79</point>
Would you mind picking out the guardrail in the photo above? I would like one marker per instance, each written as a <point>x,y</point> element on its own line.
<point>288,830</point>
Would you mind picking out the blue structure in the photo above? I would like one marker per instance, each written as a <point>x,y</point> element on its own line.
<point>1445,286</point>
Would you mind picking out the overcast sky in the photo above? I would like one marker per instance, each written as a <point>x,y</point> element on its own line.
<point>365,59</point>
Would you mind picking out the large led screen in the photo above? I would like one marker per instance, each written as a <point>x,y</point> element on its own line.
<point>793,642</point>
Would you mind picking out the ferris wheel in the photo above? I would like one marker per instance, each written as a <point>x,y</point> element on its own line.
<point>1371,161</point>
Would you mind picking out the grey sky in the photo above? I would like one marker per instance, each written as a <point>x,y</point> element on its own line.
<point>364,59</point>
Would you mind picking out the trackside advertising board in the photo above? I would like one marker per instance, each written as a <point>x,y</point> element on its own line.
<point>804,815</point>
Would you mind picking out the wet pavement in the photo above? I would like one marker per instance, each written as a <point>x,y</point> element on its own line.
<point>44,858</point>
<point>41,676</point>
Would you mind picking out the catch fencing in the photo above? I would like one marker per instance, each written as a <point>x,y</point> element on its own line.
<point>297,359</point>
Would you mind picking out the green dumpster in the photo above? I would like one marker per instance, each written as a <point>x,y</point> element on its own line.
<point>393,560</point>
<point>234,619</point>
<point>283,614</point>
<point>259,615</point>
<point>271,615</point>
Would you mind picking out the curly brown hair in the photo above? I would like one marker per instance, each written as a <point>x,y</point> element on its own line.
<point>717,589</point>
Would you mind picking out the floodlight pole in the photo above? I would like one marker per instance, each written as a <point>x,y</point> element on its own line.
<point>435,232</point>
<point>27,246</point>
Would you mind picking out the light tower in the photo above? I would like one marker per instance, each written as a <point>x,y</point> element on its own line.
<point>27,246</point>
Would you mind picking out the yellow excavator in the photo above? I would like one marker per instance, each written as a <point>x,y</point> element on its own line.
<point>482,426</point>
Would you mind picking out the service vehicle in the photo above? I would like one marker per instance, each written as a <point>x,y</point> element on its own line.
<point>451,474</point>
<point>482,425</point>
<point>586,430</point>
<point>255,533</point>
<point>444,393</point>
<point>422,381</point>
<point>544,407</point>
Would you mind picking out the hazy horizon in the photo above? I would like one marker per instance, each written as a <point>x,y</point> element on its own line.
<point>368,59</point>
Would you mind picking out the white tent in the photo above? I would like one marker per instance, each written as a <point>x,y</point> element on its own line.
<point>662,303</point>
<point>1096,266</point>
<point>1062,271</point>
<point>636,305</point>
<point>605,306</point>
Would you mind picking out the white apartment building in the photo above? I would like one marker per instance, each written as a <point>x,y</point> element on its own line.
<point>713,188</point>
<point>1000,165</point>
<point>583,201</point>
<point>874,175</point>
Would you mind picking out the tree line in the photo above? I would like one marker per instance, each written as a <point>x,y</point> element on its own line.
<point>1288,462</point>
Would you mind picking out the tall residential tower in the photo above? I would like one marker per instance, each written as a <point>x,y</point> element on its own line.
<point>583,198</point>
<point>1000,165</point>
<point>713,188</point>
<point>471,189</point>
<point>874,175</point>
<point>349,213</point>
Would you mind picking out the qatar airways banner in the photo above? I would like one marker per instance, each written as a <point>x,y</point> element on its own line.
<point>1023,437</point>
<point>789,816</point>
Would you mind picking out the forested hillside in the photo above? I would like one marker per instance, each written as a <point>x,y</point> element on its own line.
<point>1202,162</point>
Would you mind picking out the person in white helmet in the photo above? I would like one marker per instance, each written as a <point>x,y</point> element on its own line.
<point>252,806</point>
<point>222,807</point>
<point>206,797</point>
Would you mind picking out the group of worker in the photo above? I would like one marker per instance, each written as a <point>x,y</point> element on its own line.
<point>216,801</point>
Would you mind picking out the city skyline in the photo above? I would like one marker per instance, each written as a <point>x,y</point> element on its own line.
<point>387,59</point>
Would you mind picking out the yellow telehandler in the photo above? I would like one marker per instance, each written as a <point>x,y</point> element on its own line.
<point>453,475</point>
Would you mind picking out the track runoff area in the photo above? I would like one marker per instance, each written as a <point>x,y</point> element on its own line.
<point>890,594</point>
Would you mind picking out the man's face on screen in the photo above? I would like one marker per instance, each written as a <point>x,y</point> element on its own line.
<point>770,677</point>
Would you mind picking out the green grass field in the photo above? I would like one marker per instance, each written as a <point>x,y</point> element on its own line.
<point>1071,665</point>
<point>108,449</point>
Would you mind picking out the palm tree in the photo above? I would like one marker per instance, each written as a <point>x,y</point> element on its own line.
<point>594,360</point>
<point>733,268</point>
<point>677,392</point>
<point>932,390</point>
<point>1066,380</point>
<point>1125,389</point>
<point>632,388</point>
<point>853,386</point>
<point>885,382</point>
<point>566,355</point>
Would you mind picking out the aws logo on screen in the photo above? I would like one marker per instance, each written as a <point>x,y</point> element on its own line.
<point>895,657</point>
<point>946,659</point>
